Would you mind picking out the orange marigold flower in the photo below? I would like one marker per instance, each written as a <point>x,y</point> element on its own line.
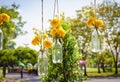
<point>1,20</point>
<point>55,22</point>
<point>47,44</point>
<point>61,32</point>
<point>99,22</point>
<point>90,22</point>
<point>53,32</point>
<point>45,35</point>
<point>5,17</point>
<point>36,40</point>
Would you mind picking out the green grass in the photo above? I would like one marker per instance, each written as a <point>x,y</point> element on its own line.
<point>107,74</point>
<point>0,71</point>
<point>9,80</point>
<point>93,72</point>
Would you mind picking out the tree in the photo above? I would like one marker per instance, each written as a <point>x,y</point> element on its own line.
<point>13,28</point>
<point>109,11</point>
<point>7,58</point>
<point>82,32</point>
<point>68,70</point>
<point>13,56</point>
<point>111,29</point>
<point>26,55</point>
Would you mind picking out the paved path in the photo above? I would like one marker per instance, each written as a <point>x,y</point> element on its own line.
<point>32,78</point>
<point>26,77</point>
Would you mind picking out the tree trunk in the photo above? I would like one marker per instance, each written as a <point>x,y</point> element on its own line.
<point>8,69</point>
<point>4,70</point>
<point>85,71</point>
<point>116,68</point>
<point>114,58</point>
<point>65,72</point>
<point>116,62</point>
<point>103,67</point>
<point>99,68</point>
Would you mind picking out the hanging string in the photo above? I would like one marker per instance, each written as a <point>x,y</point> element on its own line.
<point>42,15</point>
<point>95,14</point>
<point>95,17</point>
<point>56,8</point>
<point>42,25</point>
<point>95,8</point>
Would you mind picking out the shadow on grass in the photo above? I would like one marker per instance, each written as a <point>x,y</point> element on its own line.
<point>103,75</point>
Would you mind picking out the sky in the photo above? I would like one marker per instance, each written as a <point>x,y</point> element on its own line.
<point>30,10</point>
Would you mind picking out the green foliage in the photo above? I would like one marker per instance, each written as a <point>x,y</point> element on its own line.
<point>80,30</point>
<point>109,12</point>
<point>26,54</point>
<point>12,28</point>
<point>13,56</point>
<point>68,70</point>
<point>111,17</point>
<point>7,56</point>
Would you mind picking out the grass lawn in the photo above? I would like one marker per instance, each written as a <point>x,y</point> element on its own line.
<point>93,72</point>
<point>9,80</point>
<point>0,71</point>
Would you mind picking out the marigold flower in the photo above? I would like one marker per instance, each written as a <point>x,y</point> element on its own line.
<point>5,17</point>
<point>1,20</point>
<point>61,32</point>
<point>90,22</point>
<point>55,22</point>
<point>53,32</point>
<point>47,44</point>
<point>99,22</point>
<point>45,35</point>
<point>36,40</point>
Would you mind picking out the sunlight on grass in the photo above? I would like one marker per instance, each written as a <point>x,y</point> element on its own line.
<point>0,71</point>
<point>93,72</point>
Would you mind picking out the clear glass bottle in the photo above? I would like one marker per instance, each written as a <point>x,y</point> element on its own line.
<point>42,63</point>
<point>1,39</point>
<point>57,55</point>
<point>96,41</point>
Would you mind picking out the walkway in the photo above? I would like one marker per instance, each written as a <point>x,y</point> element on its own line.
<point>32,78</point>
<point>26,77</point>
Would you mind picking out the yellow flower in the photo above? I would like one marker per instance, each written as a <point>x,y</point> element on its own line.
<point>47,44</point>
<point>53,32</point>
<point>1,20</point>
<point>99,22</point>
<point>5,17</point>
<point>55,22</point>
<point>90,21</point>
<point>36,40</point>
<point>45,35</point>
<point>61,32</point>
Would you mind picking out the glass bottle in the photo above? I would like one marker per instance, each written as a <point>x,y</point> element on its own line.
<point>42,63</point>
<point>57,52</point>
<point>1,39</point>
<point>96,41</point>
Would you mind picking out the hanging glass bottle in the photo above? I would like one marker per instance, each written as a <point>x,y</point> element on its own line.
<point>96,41</point>
<point>57,52</point>
<point>42,63</point>
<point>1,39</point>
